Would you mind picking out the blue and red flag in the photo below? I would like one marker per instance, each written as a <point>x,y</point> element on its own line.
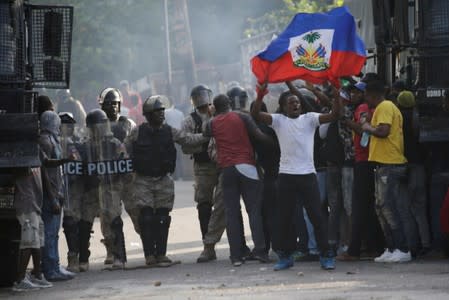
<point>314,47</point>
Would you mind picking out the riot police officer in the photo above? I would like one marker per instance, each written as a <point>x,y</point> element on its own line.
<point>110,100</point>
<point>205,171</point>
<point>238,97</point>
<point>152,149</point>
<point>71,146</point>
<point>102,191</point>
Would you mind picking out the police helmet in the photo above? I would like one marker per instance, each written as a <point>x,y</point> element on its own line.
<point>154,103</point>
<point>238,97</point>
<point>110,95</point>
<point>96,116</point>
<point>201,95</point>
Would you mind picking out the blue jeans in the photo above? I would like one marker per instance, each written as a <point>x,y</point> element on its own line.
<point>50,251</point>
<point>390,207</point>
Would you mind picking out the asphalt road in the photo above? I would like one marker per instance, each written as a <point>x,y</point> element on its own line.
<point>220,280</point>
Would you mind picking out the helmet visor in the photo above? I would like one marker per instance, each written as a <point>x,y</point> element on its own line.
<point>203,97</point>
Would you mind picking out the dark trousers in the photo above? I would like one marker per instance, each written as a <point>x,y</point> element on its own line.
<point>365,224</point>
<point>297,191</point>
<point>235,185</point>
<point>268,203</point>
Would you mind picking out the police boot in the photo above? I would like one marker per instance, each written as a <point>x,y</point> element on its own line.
<point>204,212</point>
<point>208,254</point>
<point>118,249</point>
<point>84,237</point>
<point>71,232</point>
<point>147,222</point>
<point>163,224</point>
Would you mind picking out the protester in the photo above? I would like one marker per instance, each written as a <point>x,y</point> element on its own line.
<point>53,192</point>
<point>235,154</point>
<point>364,222</point>
<point>297,178</point>
<point>386,151</point>
<point>416,191</point>
<point>28,206</point>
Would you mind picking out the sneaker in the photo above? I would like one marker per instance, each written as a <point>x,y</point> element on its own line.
<point>84,266</point>
<point>327,262</point>
<point>163,261</point>
<point>384,257</point>
<point>56,276</point>
<point>64,271</point>
<point>41,282</point>
<point>284,263</point>
<point>24,286</point>
<point>150,260</point>
<point>118,264</point>
<point>398,256</point>
<point>207,254</point>
<point>237,262</point>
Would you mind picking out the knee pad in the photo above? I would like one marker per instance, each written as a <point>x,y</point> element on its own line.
<point>146,216</point>
<point>162,211</point>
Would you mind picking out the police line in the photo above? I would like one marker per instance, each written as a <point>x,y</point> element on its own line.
<point>110,167</point>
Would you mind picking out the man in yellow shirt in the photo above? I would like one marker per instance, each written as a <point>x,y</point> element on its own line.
<point>386,150</point>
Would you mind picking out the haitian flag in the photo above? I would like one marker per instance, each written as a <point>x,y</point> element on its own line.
<point>314,47</point>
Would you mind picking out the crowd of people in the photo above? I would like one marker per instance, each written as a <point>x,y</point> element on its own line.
<point>333,174</point>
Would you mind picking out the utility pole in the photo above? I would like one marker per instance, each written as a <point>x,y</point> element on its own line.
<point>167,43</point>
<point>180,39</point>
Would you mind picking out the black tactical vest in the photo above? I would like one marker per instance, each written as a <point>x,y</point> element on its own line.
<point>154,152</point>
<point>202,156</point>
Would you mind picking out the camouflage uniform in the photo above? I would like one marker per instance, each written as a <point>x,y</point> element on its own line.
<point>158,191</point>
<point>154,192</point>
<point>207,189</point>
<point>121,130</point>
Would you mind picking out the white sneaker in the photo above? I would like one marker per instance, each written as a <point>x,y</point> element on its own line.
<point>40,282</point>
<point>24,285</point>
<point>384,257</point>
<point>66,272</point>
<point>398,256</point>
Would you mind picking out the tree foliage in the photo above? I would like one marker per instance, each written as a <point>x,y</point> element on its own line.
<point>277,20</point>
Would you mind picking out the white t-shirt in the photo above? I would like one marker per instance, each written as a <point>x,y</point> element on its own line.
<point>296,139</point>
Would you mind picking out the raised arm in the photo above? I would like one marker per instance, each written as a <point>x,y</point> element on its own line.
<point>335,113</point>
<point>256,113</point>
<point>307,105</point>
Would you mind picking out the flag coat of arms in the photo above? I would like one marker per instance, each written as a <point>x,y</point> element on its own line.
<point>314,47</point>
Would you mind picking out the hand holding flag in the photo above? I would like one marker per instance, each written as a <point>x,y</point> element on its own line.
<point>314,47</point>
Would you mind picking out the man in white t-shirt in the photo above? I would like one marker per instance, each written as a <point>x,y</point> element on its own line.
<point>297,175</point>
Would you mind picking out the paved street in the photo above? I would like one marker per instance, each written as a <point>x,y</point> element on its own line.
<point>220,280</point>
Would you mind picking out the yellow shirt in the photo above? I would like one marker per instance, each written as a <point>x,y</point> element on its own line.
<point>389,150</point>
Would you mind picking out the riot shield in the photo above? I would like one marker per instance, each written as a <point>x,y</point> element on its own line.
<point>105,166</point>
<point>71,144</point>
